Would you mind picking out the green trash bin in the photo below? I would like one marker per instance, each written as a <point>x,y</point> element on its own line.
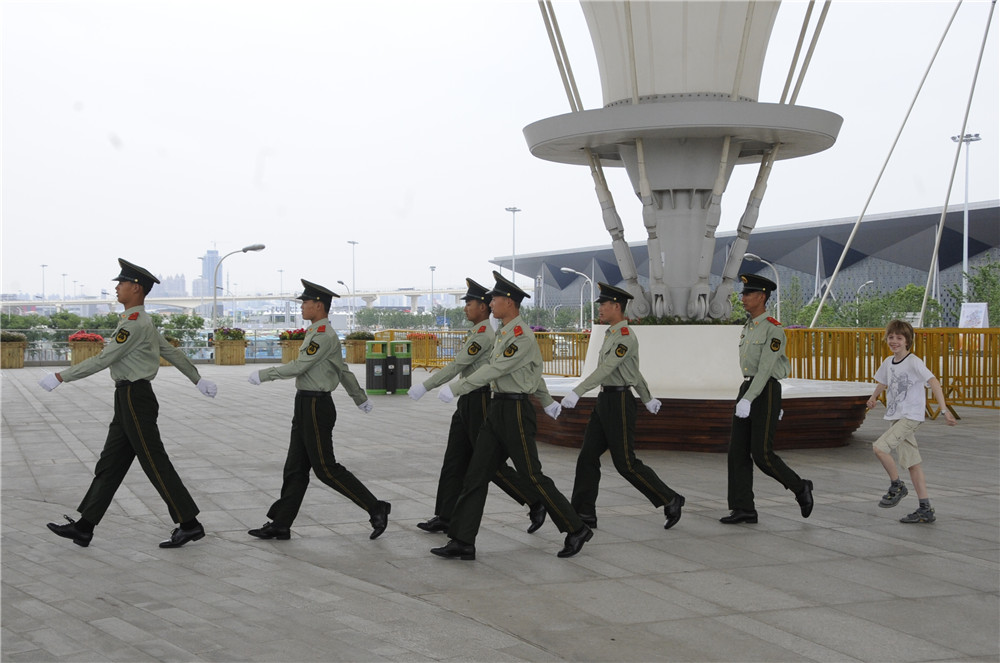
<point>375,371</point>
<point>398,364</point>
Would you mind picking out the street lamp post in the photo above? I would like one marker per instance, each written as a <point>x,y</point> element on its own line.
<point>567,270</point>
<point>753,257</point>
<point>215,277</point>
<point>64,286</point>
<point>857,303</point>
<point>513,244</point>
<point>43,284</point>
<point>967,139</point>
<point>354,276</point>
<point>433,319</point>
<point>350,307</point>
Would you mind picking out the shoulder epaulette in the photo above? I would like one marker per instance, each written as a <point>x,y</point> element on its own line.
<point>482,329</point>
<point>321,329</point>
<point>624,331</point>
<point>134,316</point>
<point>518,331</point>
<point>773,321</point>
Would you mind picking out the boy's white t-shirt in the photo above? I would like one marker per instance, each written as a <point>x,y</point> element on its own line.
<point>905,382</point>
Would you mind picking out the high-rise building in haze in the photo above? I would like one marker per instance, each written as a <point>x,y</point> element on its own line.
<point>202,287</point>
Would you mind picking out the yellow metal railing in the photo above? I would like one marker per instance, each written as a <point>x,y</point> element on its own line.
<point>967,363</point>
<point>562,352</point>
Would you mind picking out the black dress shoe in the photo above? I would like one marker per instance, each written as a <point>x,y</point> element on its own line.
<point>379,519</point>
<point>181,536</point>
<point>537,516</point>
<point>589,519</point>
<point>673,511</point>
<point>739,516</point>
<point>455,549</point>
<point>805,498</point>
<point>435,524</point>
<point>271,531</point>
<point>70,531</point>
<point>574,542</point>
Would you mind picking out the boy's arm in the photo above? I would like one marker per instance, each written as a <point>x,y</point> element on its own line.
<point>879,388</point>
<point>938,392</point>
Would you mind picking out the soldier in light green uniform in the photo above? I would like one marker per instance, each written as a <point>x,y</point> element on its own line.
<point>612,421</point>
<point>319,369</point>
<point>764,362</point>
<point>133,356</point>
<point>514,373</point>
<point>469,417</point>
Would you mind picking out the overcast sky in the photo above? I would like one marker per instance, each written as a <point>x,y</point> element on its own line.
<point>155,131</point>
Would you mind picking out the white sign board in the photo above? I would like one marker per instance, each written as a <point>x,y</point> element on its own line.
<point>974,315</point>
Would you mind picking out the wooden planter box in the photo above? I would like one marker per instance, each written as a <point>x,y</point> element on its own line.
<point>13,354</point>
<point>289,350</point>
<point>355,351</point>
<point>82,350</point>
<point>231,353</point>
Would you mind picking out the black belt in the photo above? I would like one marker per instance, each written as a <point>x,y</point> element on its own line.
<point>125,383</point>
<point>500,396</point>
<point>614,388</point>
<point>312,394</point>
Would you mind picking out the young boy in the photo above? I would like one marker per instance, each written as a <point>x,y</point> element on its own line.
<point>903,377</point>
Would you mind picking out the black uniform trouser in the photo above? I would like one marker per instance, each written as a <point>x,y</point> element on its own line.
<point>752,442</point>
<point>612,428</point>
<point>508,432</point>
<point>132,434</point>
<point>465,424</point>
<point>310,448</point>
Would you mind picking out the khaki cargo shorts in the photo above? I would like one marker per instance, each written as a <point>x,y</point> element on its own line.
<point>900,437</point>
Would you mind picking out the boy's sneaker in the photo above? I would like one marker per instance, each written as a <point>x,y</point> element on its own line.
<point>895,494</point>
<point>921,515</point>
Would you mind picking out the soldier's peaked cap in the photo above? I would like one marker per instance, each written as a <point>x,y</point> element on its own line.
<point>476,292</point>
<point>610,293</point>
<point>505,288</point>
<point>315,292</point>
<point>135,274</point>
<point>753,282</point>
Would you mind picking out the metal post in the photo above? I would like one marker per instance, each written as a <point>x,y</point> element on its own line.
<point>513,244</point>
<point>433,319</point>
<point>567,270</point>
<point>354,274</point>
<point>857,303</point>
<point>753,257</point>
<point>215,277</point>
<point>967,138</point>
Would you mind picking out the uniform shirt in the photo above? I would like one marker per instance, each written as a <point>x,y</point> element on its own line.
<point>515,365</point>
<point>134,352</point>
<point>618,363</point>
<point>475,352</point>
<point>320,366</point>
<point>762,353</point>
<point>905,382</point>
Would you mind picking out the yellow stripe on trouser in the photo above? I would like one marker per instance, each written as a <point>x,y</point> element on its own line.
<point>499,477</point>
<point>531,470</point>
<point>149,456</point>
<point>628,456</point>
<point>322,457</point>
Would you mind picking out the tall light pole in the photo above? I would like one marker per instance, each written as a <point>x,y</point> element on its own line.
<point>513,243</point>
<point>354,276</point>
<point>215,277</point>
<point>753,257</point>
<point>967,139</point>
<point>281,282</point>
<point>857,303</point>
<point>433,319</point>
<point>350,307</point>
<point>64,286</point>
<point>43,284</point>
<point>567,270</point>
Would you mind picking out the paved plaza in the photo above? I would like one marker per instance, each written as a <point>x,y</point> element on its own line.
<point>848,584</point>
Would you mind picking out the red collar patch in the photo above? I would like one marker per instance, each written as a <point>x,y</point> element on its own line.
<point>518,331</point>
<point>321,329</point>
<point>134,316</point>
<point>773,321</point>
<point>624,331</point>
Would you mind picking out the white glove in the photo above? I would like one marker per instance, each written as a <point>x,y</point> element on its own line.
<point>416,391</point>
<point>445,394</point>
<point>653,406</point>
<point>254,377</point>
<point>366,407</point>
<point>553,409</point>
<point>743,408</point>
<point>207,387</point>
<point>570,400</point>
<point>49,382</point>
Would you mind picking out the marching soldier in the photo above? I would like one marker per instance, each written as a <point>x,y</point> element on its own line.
<point>133,356</point>
<point>764,362</point>
<point>515,373</point>
<point>468,419</point>
<point>319,369</point>
<point>612,422</point>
